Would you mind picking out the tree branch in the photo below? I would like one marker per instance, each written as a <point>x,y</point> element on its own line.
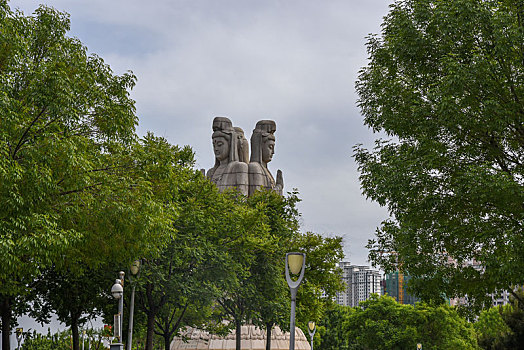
<point>177,324</point>
<point>516,296</point>
<point>22,139</point>
<point>80,189</point>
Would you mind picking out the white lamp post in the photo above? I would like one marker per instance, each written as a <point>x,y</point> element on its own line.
<point>312,329</point>
<point>118,293</point>
<point>135,268</point>
<point>296,264</point>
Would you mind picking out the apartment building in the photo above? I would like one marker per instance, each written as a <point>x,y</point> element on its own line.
<point>360,281</point>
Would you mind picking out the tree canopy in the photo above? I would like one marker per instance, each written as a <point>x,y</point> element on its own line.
<point>445,85</point>
<point>70,196</point>
<point>502,326</point>
<point>382,323</point>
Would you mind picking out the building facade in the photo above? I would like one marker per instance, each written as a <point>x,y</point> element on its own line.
<point>395,285</point>
<point>360,282</point>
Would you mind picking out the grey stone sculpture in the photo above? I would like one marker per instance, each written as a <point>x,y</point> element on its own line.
<point>229,171</point>
<point>243,145</point>
<point>262,150</point>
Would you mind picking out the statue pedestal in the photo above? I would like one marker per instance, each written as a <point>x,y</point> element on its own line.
<point>252,338</point>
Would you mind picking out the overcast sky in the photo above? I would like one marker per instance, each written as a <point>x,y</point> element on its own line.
<point>293,61</point>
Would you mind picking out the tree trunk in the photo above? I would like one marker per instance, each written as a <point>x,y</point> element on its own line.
<point>238,335</point>
<point>150,330</point>
<point>74,332</point>
<point>269,326</point>
<point>167,341</point>
<point>5,307</point>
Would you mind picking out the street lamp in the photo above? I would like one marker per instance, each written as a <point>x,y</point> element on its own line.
<point>19,336</point>
<point>135,268</point>
<point>312,329</point>
<point>118,293</point>
<point>296,264</point>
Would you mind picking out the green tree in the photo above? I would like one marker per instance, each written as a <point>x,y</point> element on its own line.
<point>382,323</point>
<point>491,329</point>
<point>66,137</point>
<point>153,162</point>
<point>330,334</point>
<point>322,278</point>
<point>58,341</point>
<point>502,327</point>
<point>74,298</point>
<point>204,262</point>
<point>445,83</point>
<point>247,237</point>
<point>270,302</point>
<point>513,316</point>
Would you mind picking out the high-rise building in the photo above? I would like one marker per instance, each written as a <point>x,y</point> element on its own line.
<point>395,285</point>
<point>360,281</point>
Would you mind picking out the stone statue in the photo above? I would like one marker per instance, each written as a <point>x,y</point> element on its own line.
<point>229,171</point>
<point>243,145</point>
<point>262,150</point>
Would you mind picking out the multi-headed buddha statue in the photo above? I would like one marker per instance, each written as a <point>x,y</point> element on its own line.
<point>233,167</point>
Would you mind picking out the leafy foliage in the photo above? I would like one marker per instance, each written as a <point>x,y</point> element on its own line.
<point>177,287</point>
<point>445,83</point>
<point>58,341</point>
<point>322,278</point>
<point>330,333</point>
<point>73,197</point>
<point>382,323</point>
<point>61,340</point>
<point>502,327</point>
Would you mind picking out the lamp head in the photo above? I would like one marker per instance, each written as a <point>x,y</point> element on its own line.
<point>135,267</point>
<point>117,290</point>
<point>295,262</point>
<point>311,326</point>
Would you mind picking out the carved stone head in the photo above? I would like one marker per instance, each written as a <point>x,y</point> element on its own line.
<point>263,142</point>
<point>224,140</point>
<point>243,145</point>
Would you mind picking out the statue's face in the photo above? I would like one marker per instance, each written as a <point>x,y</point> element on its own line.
<point>268,149</point>
<point>221,148</point>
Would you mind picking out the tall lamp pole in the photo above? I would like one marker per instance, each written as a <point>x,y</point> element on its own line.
<point>296,264</point>
<point>118,293</point>
<point>135,268</point>
<point>312,329</point>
